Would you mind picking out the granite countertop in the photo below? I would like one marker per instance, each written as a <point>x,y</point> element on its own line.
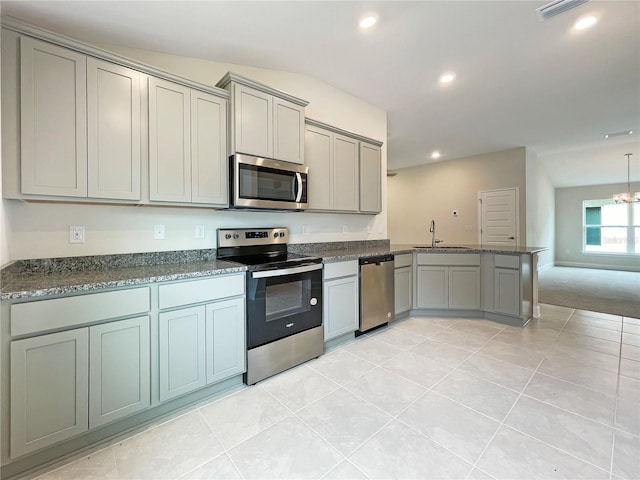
<point>22,285</point>
<point>42,277</point>
<point>356,253</point>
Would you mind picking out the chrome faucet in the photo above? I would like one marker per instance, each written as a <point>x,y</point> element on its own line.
<point>432,229</point>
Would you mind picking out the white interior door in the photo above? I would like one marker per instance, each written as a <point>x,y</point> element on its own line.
<point>499,218</point>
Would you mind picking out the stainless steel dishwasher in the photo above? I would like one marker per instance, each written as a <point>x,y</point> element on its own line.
<point>376,291</point>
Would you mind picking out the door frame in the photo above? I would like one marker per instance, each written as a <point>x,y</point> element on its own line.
<point>517,212</point>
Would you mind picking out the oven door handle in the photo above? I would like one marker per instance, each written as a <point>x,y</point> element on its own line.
<point>299,182</point>
<point>286,271</point>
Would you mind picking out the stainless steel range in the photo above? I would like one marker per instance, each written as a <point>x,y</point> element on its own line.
<point>284,300</point>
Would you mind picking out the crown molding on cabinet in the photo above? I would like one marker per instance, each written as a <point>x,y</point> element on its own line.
<point>234,77</point>
<point>326,126</point>
<point>67,42</point>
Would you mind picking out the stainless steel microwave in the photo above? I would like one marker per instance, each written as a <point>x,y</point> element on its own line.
<point>263,183</point>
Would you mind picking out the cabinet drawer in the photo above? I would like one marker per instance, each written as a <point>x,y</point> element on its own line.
<point>403,260</point>
<point>449,259</point>
<point>340,269</point>
<point>507,261</point>
<point>197,291</point>
<point>32,317</point>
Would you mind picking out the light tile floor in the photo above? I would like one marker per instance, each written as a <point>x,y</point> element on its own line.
<point>424,398</point>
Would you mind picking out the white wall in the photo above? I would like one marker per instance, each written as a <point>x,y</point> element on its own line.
<point>569,228</point>
<point>40,230</point>
<point>540,205</point>
<point>417,195</point>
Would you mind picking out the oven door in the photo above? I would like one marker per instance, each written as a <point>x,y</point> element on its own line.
<point>283,302</point>
<point>264,183</point>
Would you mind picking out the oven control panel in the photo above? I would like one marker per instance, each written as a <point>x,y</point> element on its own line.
<point>239,237</point>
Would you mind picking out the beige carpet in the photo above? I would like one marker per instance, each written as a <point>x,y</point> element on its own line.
<point>606,291</point>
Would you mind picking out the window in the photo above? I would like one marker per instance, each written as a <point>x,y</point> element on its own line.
<point>610,227</point>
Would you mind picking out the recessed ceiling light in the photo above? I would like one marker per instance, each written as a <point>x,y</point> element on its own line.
<point>585,22</point>
<point>435,155</point>
<point>367,22</point>
<point>447,77</point>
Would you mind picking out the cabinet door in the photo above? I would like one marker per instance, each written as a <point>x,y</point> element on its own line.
<point>49,389</point>
<point>288,131</point>
<point>253,121</point>
<point>169,141</point>
<point>340,307</point>
<point>464,287</point>
<point>507,291</point>
<point>226,344</point>
<point>53,123</point>
<point>370,179</point>
<point>402,289</point>
<point>119,370</point>
<point>209,176</point>
<point>318,157</point>
<point>113,131</point>
<point>432,287</point>
<point>182,351</point>
<point>345,174</point>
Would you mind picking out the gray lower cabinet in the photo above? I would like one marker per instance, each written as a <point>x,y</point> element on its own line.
<point>119,369</point>
<point>49,389</point>
<point>201,345</point>
<point>64,383</point>
<point>432,287</point>
<point>507,291</point>
<point>225,335</point>
<point>402,289</point>
<point>507,284</point>
<point>182,351</point>
<point>340,308</point>
<point>448,281</point>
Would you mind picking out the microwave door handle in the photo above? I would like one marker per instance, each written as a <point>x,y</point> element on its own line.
<point>299,182</point>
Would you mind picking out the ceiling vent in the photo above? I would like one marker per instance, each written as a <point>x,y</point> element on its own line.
<point>556,8</point>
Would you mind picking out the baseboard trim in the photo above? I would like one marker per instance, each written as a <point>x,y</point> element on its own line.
<point>597,266</point>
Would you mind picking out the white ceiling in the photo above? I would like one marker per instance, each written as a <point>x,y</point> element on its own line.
<point>520,82</point>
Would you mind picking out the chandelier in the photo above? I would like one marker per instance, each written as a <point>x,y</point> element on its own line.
<point>627,197</point>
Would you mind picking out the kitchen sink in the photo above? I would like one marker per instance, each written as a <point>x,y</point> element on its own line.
<point>459,247</point>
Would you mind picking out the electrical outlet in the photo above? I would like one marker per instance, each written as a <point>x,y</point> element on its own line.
<point>305,230</point>
<point>76,233</point>
<point>199,231</point>
<point>158,232</point>
<point>345,229</point>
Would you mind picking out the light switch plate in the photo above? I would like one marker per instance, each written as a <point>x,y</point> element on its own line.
<point>199,231</point>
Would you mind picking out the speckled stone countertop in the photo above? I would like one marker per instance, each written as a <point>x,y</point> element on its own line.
<point>42,277</point>
<point>342,251</point>
<point>25,279</point>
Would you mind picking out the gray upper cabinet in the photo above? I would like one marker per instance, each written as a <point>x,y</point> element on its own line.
<point>119,370</point>
<point>169,141</point>
<point>370,178</point>
<point>333,170</point>
<point>345,170</point>
<point>288,131</point>
<point>53,126</point>
<point>253,121</point>
<point>113,122</point>
<point>49,389</point>
<point>265,122</point>
<point>209,168</point>
<point>80,124</point>
<point>187,150</point>
<point>345,174</point>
